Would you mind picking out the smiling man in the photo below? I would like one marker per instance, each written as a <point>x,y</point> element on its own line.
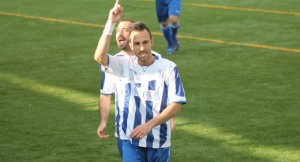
<point>109,83</point>
<point>150,95</point>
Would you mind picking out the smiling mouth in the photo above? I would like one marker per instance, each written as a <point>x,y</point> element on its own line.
<point>142,53</point>
<point>120,39</point>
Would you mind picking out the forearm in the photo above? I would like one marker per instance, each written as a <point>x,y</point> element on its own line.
<point>140,131</point>
<point>165,115</point>
<point>104,108</point>
<point>103,45</point>
<point>101,52</point>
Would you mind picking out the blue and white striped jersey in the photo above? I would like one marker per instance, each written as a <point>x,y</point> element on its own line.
<point>109,83</point>
<point>141,94</point>
<point>108,86</point>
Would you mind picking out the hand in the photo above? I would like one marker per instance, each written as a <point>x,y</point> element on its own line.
<point>115,12</point>
<point>101,131</point>
<point>140,131</point>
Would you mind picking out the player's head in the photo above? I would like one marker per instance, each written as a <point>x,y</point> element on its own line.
<point>122,34</point>
<point>140,41</point>
<point>139,26</point>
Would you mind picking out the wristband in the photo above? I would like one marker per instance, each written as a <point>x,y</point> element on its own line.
<point>109,28</point>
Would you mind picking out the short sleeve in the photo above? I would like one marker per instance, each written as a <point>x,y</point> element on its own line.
<point>176,91</point>
<point>107,86</point>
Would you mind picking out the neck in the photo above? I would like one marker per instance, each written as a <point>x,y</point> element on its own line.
<point>147,62</point>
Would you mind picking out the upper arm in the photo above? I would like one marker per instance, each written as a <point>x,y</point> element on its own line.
<point>176,91</point>
<point>107,86</point>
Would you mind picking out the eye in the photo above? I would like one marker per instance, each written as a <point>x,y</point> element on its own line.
<point>127,30</point>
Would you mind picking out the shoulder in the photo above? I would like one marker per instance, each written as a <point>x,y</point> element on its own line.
<point>157,55</point>
<point>120,54</point>
<point>166,62</point>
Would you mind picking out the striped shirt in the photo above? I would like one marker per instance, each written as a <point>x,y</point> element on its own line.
<point>141,94</point>
<point>108,80</point>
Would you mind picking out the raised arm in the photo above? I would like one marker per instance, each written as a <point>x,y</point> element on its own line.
<point>103,45</point>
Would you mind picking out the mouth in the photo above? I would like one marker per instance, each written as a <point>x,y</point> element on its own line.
<point>143,54</point>
<point>121,39</point>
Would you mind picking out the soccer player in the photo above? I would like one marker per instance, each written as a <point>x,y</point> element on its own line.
<point>108,87</point>
<point>108,83</point>
<point>168,12</point>
<point>152,93</point>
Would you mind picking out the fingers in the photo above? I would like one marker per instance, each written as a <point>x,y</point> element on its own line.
<point>117,9</point>
<point>104,136</point>
<point>133,134</point>
<point>101,133</point>
<point>137,134</point>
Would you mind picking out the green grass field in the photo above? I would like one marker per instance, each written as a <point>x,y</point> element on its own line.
<point>239,62</point>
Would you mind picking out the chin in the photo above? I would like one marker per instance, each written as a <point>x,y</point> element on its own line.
<point>124,48</point>
<point>121,47</point>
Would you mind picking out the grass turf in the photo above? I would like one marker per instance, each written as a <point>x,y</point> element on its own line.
<point>243,101</point>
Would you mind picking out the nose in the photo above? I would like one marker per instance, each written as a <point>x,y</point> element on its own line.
<point>118,33</point>
<point>142,48</point>
<point>121,32</point>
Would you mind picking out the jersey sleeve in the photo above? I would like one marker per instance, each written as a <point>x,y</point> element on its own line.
<point>107,86</point>
<point>117,64</point>
<point>176,91</point>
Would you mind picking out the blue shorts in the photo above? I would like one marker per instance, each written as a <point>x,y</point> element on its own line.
<point>166,8</point>
<point>133,153</point>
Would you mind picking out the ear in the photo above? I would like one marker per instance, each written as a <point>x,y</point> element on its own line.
<point>130,45</point>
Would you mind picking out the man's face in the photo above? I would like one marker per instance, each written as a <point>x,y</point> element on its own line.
<point>122,35</point>
<point>141,45</point>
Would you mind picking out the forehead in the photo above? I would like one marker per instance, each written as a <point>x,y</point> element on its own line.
<point>138,36</point>
<point>124,24</point>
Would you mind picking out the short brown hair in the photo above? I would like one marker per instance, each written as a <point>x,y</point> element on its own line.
<point>140,26</point>
<point>126,20</point>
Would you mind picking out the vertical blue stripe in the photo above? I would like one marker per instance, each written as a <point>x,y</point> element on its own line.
<point>179,88</point>
<point>164,98</point>
<point>138,85</point>
<point>163,127</point>
<point>135,142</point>
<point>126,106</point>
<point>118,115</point>
<point>151,85</point>
<point>149,116</point>
<point>163,134</point>
<point>137,117</point>
<point>102,80</point>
